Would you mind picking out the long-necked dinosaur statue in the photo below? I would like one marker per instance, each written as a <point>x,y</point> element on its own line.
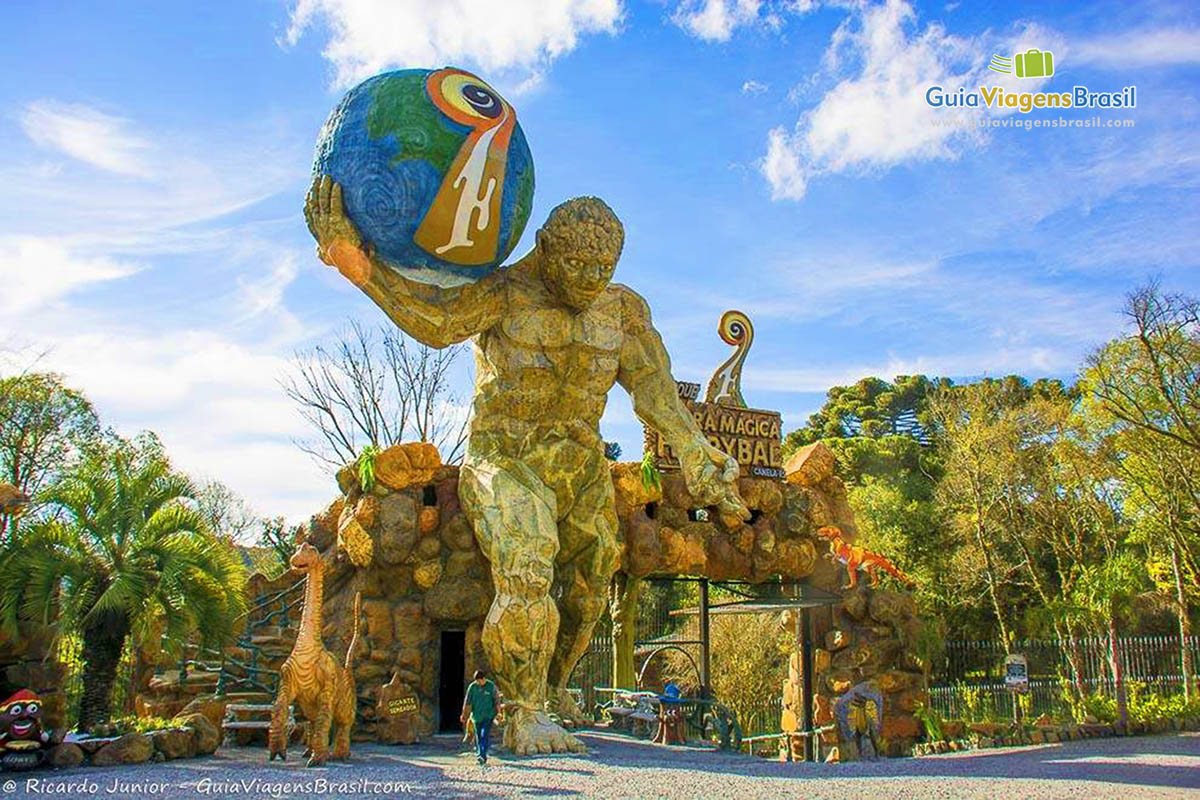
<point>310,676</point>
<point>859,558</point>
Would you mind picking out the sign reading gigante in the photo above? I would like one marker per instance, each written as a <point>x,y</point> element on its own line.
<point>750,435</point>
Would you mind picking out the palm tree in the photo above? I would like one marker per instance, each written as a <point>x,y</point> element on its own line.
<point>125,553</point>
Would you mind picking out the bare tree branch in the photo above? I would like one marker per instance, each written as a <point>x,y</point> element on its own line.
<point>377,387</point>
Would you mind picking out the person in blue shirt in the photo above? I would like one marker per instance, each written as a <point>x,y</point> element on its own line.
<point>484,703</point>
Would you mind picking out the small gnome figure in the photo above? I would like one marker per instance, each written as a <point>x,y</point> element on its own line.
<point>23,743</point>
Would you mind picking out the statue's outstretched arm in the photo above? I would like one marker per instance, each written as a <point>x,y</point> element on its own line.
<point>645,372</point>
<point>435,315</point>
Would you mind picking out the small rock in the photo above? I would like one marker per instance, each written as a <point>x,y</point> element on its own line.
<point>132,748</point>
<point>65,755</point>
<point>208,736</point>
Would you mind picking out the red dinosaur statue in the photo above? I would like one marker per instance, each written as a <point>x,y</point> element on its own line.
<point>858,558</point>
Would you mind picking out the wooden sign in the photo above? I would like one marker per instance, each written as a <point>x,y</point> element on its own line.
<point>750,435</point>
<point>1016,673</point>
<point>402,705</point>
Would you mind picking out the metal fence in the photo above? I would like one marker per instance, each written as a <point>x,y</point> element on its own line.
<point>970,682</point>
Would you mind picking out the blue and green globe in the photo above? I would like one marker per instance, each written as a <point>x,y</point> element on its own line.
<point>435,172</point>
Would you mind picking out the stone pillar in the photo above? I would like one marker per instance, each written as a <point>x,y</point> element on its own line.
<point>625,591</point>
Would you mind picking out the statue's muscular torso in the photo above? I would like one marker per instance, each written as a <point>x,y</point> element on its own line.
<point>543,365</point>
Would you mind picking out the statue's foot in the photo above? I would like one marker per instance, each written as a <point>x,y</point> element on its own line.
<point>530,733</point>
<point>317,760</point>
<point>562,703</point>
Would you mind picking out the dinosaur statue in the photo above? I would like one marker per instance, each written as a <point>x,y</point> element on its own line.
<point>858,558</point>
<point>311,677</point>
<point>725,385</point>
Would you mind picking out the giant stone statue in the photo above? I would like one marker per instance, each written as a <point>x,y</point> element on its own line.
<point>552,335</point>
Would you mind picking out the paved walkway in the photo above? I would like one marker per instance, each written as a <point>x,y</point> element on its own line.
<point>1142,767</point>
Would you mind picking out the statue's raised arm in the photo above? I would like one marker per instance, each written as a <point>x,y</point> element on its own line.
<point>435,315</point>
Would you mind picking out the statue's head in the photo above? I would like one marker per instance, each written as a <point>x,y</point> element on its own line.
<point>579,246</point>
<point>21,716</point>
<point>306,557</point>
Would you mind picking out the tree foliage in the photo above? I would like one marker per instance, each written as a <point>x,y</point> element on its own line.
<point>127,555</point>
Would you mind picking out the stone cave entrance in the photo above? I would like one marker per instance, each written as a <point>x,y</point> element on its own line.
<point>452,680</point>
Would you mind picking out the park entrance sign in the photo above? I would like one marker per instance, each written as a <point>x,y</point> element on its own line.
<point>750,435</point>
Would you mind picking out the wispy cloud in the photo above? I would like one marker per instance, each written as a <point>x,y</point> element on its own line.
<point>86,134</point>
<point>754,87</point>
<point>38,272</point>
<point>1144,48</point>
<point>876,116</point>
<point>369,36</point>
<point>718,20</point>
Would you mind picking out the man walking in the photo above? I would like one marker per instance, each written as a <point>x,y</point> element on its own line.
<point>482,703</point>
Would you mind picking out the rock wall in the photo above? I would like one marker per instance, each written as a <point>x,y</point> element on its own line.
<point>27,662</point>
<point>408,547</point>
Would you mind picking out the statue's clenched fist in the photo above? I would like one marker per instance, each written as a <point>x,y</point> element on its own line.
<point>711,477</point>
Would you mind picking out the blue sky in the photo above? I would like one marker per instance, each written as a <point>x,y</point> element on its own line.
<point>776,157</point>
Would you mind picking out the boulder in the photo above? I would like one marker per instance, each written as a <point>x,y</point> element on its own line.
<point>795,558</point>
<point>174,742</point>
<point>429,547</point>
<point>836,639</point>
<point>457,534</point>
<point>428,519</point>
<point>65,755</point>
<point>900,727</point>
<point>208,736</point>
<point>404,465</point>
<point>397,528</point>
<point>628,486</point>
<point>354,541</point>
<point>411,626</point>
<point>457,600</point>
<point>427,574</point>
<point>810,465</point>
<point>642,547</point>
<point>132,748</point>
<point>379,623</point>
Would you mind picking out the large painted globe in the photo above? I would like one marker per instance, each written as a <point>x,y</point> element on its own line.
<point>435,172</point>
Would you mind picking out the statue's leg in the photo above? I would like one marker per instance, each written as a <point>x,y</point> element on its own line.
<point>513,514</point>
<point>588,557</point>
<point>277,737</point>
<point>343,718</point>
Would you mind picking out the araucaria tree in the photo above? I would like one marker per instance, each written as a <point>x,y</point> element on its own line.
<point>125,554</point>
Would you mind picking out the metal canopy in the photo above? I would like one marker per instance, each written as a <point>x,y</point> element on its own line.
<point>807,597</point>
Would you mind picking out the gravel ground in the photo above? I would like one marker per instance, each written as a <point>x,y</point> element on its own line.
<point>1142,767</point>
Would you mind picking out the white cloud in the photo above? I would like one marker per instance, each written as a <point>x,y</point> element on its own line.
<point>878,116</point>
<point>86,134</point>
<point>369,36</point>
<point>715,20</point>
<point>192,340</point>
<point>38,272</point>
<point>782,167</point>
<point>1144,48</point>
<point>754,87</point>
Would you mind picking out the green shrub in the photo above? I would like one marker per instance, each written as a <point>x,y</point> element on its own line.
<point>931,721</point>
<point>119,726</point>
<point>366,467</point>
